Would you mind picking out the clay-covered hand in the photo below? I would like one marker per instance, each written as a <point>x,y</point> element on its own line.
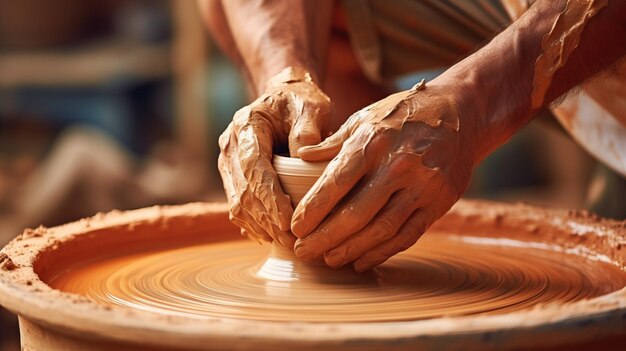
<point>397,166</point>
<point>292,112</point>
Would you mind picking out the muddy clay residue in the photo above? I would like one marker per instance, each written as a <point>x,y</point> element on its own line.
<point>6,263</point>
<point>443,275</point>
<point>562,40</point>
<point>525,274</point>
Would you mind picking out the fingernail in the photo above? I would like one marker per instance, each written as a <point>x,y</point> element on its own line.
<point>334,259</point>
<point>307,148</point>
<point>303,251</point>
<point>295,225</point>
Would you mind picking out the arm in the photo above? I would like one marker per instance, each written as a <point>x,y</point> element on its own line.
<point>281,47</point>
<point>503,80</point>
<point>400,164</point>
<point>265,37</point>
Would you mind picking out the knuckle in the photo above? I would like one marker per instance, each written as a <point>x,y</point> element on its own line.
<point>403,162</point>
<point>413,196</point>
<point>242,114</point>
<point>374,141</point>
<point>384,228</point>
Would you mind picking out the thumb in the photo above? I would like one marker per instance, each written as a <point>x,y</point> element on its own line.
<point>327,149</point>
<point>306,131</point>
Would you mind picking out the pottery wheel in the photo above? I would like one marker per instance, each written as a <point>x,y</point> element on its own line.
<point>443,275</point>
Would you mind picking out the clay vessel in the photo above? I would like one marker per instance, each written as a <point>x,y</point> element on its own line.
<point>297,176</point>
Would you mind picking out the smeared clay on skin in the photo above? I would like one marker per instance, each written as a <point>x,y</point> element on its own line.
<point>291,113</point>
<point>560,42</point>
<point>396,168</point>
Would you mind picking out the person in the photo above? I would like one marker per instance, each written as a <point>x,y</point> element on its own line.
<point>401,162</point>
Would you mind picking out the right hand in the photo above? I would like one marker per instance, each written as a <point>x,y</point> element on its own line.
<point>293,112</point>
<point>397,166</point>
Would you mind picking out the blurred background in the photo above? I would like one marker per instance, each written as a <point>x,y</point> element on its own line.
<point>117,104</point>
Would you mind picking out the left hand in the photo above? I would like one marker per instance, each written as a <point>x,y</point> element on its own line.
<point>397,166</point>
<point>292,112</point>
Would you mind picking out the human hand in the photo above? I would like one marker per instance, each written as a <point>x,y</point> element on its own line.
<point>397,166</point>
<point>293,112</point>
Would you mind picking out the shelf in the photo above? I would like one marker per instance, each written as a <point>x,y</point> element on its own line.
<point>93,65</point>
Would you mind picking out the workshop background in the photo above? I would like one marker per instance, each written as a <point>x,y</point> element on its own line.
<point>118,104</point>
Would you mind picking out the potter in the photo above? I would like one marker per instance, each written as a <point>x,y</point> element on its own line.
<point>358,193</point>
<point>400,163</point>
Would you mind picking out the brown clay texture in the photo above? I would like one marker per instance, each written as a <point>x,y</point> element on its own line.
<point>444,275</point>
<point>473,262</point>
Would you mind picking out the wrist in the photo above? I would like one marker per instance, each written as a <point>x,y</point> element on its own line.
<point>284,72</point>
<point>493,87</point>
<point>289,75</point>
<point>469,102</point>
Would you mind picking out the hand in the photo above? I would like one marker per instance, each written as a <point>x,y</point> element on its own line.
<point>293,112</point>
<point>397,166</point>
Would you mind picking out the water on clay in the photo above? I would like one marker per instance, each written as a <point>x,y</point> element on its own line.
<point>443,275</point>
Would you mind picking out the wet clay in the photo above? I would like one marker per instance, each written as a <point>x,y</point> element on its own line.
<point>395,167</point>
<point>443,275</point>
<point>296,176</point>
<point>560,42</point>
<point>292,112</point>
<point>564,262</point>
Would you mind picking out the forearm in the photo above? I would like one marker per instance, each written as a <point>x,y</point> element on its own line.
<point>212,12</point>
<point>273,35</point>
<point>507,85</point>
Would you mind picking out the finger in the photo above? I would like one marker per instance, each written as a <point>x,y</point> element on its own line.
<point>285,238</point>
<point>353,213</point>
<point>364,201</point>
<point>238,214</point>
<point>407,236</point>
<point>253,215</point>
<point>306,130</point>
<point>242,203</point>
<point>329,147</point>
<point>382,228</point>
<point>243,220</point>
<point>255,140</point>
<point>262,228</point>
<point>340,176</point>
<point>230,171</point>
<point>259,226</point>
<point>224,163</point>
